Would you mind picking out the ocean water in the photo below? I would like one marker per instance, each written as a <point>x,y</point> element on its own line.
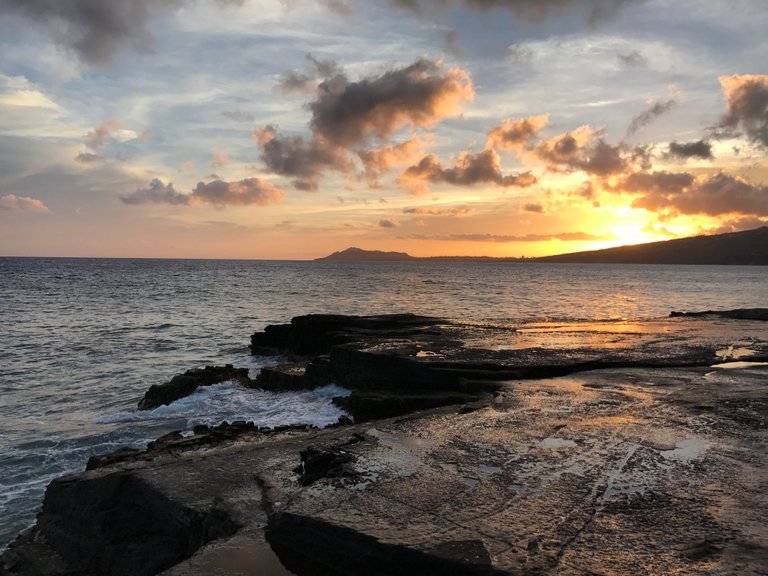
<point>82,339</point>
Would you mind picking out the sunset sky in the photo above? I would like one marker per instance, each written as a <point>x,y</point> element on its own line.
<point>294,128</point>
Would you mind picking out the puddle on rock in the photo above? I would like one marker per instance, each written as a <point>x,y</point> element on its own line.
<point>557,443</point>
<point>735,353</point>
<point>686,450</point>
<point>737,365</point>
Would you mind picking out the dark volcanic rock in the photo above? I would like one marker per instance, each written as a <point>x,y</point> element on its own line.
<point>737,314</point>
<point>319,333</point>
<point>308,545</point>
<point>185,384</point>
<point>330,463</point>
<point>87,522</point>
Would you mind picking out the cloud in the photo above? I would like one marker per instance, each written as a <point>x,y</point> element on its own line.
<point>684,150</point>
<point>379,160</point>
<point>663,183</point>
<point>516,134</point>
<point>89,158</point>
<point>470,169</point>
<point>220,159</point>
<point>296,81</point>
<point>456,212</point>
<point>156,193</point>
<point>305,161</point>
<point>564,237</point>
<point>246,192</point>
<point>536,207</point>
<point>339,7</point>
<point>347,113</point>
<point>243,193</point>
<point>389,223</point>
<point>682,193</point>
<point>531,10</point>
<point>736,225</point>
<point>239,116</point>
<point>13,203</point>
<point>633,60</point>
<point>94,29</point>
<point>747,98</point>
<point>649,115</point>
<point>583,149</point>
<point>103,132</point>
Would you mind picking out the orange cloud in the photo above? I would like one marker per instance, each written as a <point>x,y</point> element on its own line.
<point>379,160</point>
<point>682,193</point>
<point>13,203</point>
<point>516,134</point>
<point>563,236</point>
<point>246,192</point>
<point>457,212</point>
<point>481,168</point>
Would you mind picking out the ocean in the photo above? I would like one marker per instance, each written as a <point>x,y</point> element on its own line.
<point>82,339</point>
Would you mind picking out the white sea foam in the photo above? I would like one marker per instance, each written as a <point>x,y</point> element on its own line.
<point>230,401</point>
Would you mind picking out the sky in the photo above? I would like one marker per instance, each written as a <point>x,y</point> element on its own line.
<point>289,129</point>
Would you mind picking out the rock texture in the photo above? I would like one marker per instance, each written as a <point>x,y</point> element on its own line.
<point>185,384</point>
<point>653,467</point>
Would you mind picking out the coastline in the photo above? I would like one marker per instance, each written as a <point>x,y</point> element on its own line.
<point>529,473</point>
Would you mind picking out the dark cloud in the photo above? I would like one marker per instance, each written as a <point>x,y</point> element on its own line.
<point>564,236</point>
<point>481,168</point>
<point>658,183</point>
<point>649,115</point>
<point>156,193</point>
<point>94,29</point>
<point>516,134</point>
<point>302,160</point>
<point>682,193</point>
<point>456,212</point>
<point>684,150</point>
<point>346,116</point>
<point>737,225</point>
<point>299,81</point>
<point>388,223</point>
<point>520,54</point>
<point>13,203</point>
<point>239,116</point>
<point>582,150</point>
<point>747,98</point>
<point>633,60</point>
<point>347,113</point>
<point>536,207</point>
<point>594,10</point>
<point>243,193</point>
<point>89,158</point>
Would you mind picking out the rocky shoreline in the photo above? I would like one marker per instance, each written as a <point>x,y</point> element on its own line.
<point>608,447</point>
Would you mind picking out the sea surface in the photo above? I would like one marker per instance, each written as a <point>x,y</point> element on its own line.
<point>82,339</point>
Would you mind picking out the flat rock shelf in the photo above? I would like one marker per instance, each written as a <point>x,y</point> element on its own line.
<point>553,448</point>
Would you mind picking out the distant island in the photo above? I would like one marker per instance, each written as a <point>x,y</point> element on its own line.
<point>748,248</point>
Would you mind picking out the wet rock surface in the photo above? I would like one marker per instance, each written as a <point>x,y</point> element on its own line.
<point>185,384</point>
<point>654,465</point>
